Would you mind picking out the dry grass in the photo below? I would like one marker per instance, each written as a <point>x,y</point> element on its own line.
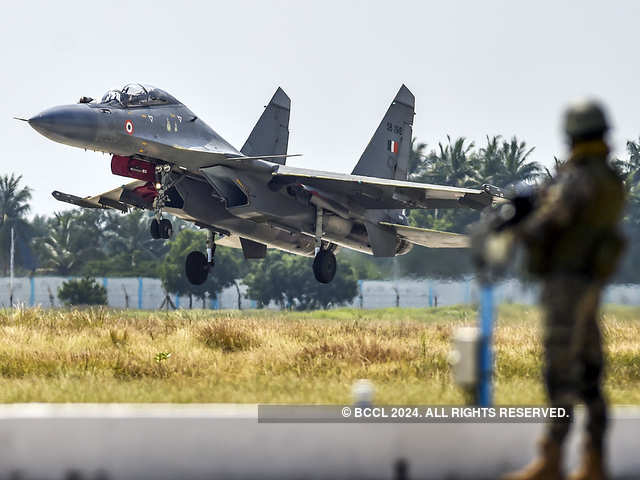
<point>229,335</point>
<point>104,355</point>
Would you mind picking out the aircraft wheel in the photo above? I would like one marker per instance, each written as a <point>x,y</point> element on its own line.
<point>197,268</point>
<point>154,228</point>
<point>324,266</point>
<point>166,229</point>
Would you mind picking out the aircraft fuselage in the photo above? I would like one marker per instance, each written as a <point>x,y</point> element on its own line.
<point>215,173</point>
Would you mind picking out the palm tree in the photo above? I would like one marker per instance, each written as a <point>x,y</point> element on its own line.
<point>548,174</point>
<point>489,162</point>
<point>633,208</point>
<point>129,234</point>
<point>417,159</point>
<point>631,168</point>
<point>515,165</point>
<point>451,165</point>
<point>14,207</point>
<point>63,246</point>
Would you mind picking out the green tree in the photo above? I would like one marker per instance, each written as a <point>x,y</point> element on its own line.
<point>366,267</point>
<point>515,165</point>
<point>629,168</point>
<point>417,158</point>
<point>172,272</point>
<point>632,218</point>
<point>288,280</point>
<point>452,164</point>
<point>14,207</point>
<point>83,291</point>
<point>64,246</point>
<point>128,247</point>
<point>488,162</point>
<point>129,234</point>
<point>457,163</point>
<point>68,240</point>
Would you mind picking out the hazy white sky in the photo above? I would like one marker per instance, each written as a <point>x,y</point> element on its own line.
<point>476,68</point>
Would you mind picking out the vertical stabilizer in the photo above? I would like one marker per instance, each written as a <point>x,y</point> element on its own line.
<point>270,136</point>
<point>387,154</point>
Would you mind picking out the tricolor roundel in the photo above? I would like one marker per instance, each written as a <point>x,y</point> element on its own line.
<point>128,127</point>
<point>392,146</point>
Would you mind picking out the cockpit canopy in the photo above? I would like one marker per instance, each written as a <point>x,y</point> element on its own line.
<point>137,95</point>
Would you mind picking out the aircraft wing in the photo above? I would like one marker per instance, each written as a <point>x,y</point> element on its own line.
<point>382,193</point>
<point>110,199</point>
<point>429,238</point>
<point>137,194</point>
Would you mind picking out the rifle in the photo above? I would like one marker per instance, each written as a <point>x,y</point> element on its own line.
<point>493,237</point>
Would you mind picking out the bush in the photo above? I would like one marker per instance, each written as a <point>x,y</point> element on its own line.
<point>84,291</point>
<point>229,336</point>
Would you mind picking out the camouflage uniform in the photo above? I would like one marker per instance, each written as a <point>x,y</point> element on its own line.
<point>571,233</point>
<point>574,245</point>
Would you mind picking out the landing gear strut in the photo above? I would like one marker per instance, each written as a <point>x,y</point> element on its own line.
<point>161,227</point>
<point>324,265</point>
<point>198,265</point>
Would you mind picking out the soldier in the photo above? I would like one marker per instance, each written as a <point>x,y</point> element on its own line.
<point>573,244</point>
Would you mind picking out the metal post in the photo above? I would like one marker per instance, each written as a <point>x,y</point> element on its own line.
<point>211,246</point>
<point>140,293</point>
<point>105,284</point>
<point>11,257</point>
<point>32,292</point>
<point>319,216</point>
<point>485,361</point>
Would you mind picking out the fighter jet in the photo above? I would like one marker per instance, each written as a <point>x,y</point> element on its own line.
<point>250,198</point>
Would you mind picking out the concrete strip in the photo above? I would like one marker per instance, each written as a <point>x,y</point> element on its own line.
<point>114,441</point>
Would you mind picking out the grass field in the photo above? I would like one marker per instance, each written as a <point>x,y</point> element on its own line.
<point>103,355</point>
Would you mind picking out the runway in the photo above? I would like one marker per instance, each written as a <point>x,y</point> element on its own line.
<point>115,441</point>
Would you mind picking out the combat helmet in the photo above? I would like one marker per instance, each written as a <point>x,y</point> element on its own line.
<point>585,119</point>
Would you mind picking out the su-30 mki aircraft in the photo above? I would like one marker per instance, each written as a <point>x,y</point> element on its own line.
<point>249,198</point>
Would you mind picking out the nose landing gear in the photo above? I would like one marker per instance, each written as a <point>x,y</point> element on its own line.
<point>161,227</point>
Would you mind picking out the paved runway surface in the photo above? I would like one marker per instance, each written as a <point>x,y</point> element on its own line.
<point>44,441</point>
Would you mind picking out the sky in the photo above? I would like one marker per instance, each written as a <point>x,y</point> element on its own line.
<point>476,69</point>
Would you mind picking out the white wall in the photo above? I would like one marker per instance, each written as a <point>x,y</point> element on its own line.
<point>147,293</point>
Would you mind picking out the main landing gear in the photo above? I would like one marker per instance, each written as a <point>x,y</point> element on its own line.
<point>198,265</point>
<point>324,265</point>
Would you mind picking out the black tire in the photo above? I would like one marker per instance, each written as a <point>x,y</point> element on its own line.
<point>196,268</point>
<point>166,229</point>
<point>154,229</point>
<point>325,266</point>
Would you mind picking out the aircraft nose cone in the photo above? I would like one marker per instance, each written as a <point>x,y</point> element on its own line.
<point>71,124</point>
